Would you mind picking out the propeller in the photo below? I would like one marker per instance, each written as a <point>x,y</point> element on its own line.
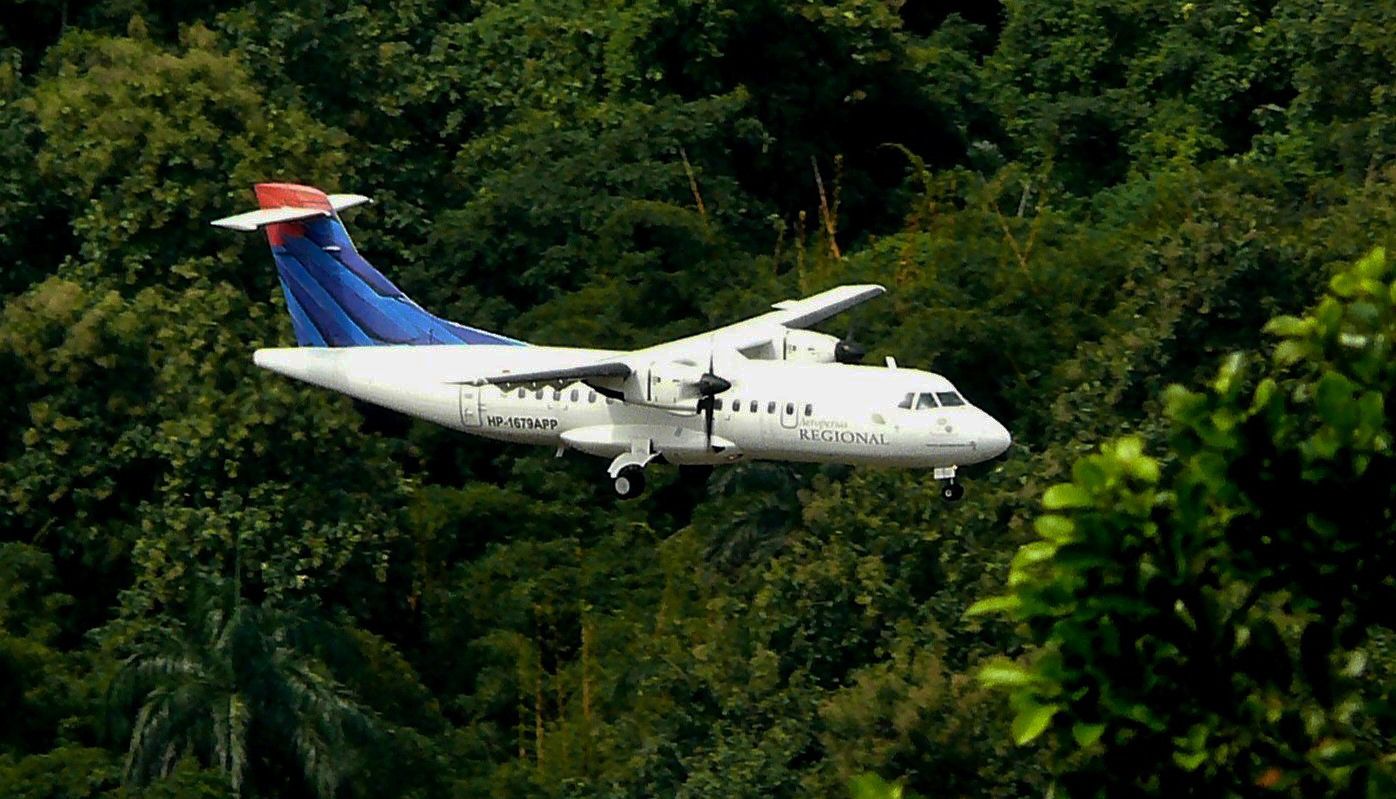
<point>848,350</point>
<point>709,386</point>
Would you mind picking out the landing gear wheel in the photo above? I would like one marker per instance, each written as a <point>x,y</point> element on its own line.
<point>952,492</point>
<point>630,482</point>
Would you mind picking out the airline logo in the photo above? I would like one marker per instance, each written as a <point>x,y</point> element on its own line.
<point>835,431</point>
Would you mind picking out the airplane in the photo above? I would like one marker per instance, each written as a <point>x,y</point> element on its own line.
<point>766,388</point>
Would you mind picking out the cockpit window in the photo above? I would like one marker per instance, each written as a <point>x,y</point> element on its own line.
<point>949,398</point>
<point>926,400</point>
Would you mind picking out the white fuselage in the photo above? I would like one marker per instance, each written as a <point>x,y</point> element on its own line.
<point>774,410</point>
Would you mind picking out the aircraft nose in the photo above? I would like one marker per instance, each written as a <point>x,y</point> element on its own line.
<point>995,438</point>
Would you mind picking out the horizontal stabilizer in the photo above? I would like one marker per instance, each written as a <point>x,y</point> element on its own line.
<point>253,220</point>
<point>341,201</point>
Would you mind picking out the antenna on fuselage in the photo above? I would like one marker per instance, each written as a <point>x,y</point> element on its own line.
<point>891,362</point>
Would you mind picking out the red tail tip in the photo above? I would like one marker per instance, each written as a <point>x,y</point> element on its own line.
<point>275,195</point>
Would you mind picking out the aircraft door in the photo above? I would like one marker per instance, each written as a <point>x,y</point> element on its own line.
<point>789,414</point>
<point>471,398</point>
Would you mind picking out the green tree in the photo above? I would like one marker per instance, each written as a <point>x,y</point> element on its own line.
<point>39,688</point>
<point>236,686</point>
<point>1222,613</point>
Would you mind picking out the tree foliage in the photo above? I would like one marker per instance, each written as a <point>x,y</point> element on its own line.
<point>219,574</point>
<point>1218,612</point>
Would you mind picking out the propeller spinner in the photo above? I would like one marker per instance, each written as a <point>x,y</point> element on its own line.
<point>849,351</point>
<point>709,386</point>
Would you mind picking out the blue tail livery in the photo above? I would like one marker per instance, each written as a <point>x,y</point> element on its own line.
<point>336,298</point>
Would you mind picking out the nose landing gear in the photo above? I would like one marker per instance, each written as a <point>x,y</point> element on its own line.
<point>950,491</point>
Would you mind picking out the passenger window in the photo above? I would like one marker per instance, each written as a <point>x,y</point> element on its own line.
<point>557,394</point>
<point>789,409</point>
<point>591,396</point>
<point>809,410</point>
<point>906,401</point>
<point>575,395</point>
<point>770,407</point>
<point>717,405</point>
<point>755,406</point>
<point>925,401</point>
<point>521,393</point>
<point>538,394</point>
<point>949,398</point>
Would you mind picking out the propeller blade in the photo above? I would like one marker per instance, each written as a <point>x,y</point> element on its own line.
<point>708,422</point>
<point>847,350</point>
<point>709,386</point>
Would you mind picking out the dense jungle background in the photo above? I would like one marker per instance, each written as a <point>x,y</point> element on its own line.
<point>217,582</point>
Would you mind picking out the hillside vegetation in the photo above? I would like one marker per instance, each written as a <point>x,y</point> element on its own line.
<point>1146,236</point>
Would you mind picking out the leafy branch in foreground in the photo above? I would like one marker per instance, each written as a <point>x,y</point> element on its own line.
<point>1213,611</point>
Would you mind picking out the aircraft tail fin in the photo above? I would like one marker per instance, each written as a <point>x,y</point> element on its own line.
<point>336,298</point>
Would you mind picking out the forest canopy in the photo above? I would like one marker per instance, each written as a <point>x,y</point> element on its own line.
<point>1152,239</point>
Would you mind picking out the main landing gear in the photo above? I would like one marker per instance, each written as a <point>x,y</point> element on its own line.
<point>629,482</point>
<point>950,491</point>
<point>627,471</point>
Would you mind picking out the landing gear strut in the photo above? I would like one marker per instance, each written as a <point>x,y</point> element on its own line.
<point>629,482</point>
<point>950,491</point>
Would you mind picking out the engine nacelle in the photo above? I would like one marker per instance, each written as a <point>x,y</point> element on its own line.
<point>808,346</point>
<point>672,385</point>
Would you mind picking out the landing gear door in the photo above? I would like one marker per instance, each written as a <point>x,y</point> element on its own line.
<point>470,405</point>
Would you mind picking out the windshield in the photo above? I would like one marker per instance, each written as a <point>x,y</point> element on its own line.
<point>931,399</point>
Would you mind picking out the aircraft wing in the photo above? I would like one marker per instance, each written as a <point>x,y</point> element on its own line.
<point>816,308</point>
<point>562,375</point>
<point>753,332</point>
<point>691,353</point>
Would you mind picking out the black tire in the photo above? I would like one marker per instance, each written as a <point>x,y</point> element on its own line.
<point>630,482</point>
<point>952,492</point>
